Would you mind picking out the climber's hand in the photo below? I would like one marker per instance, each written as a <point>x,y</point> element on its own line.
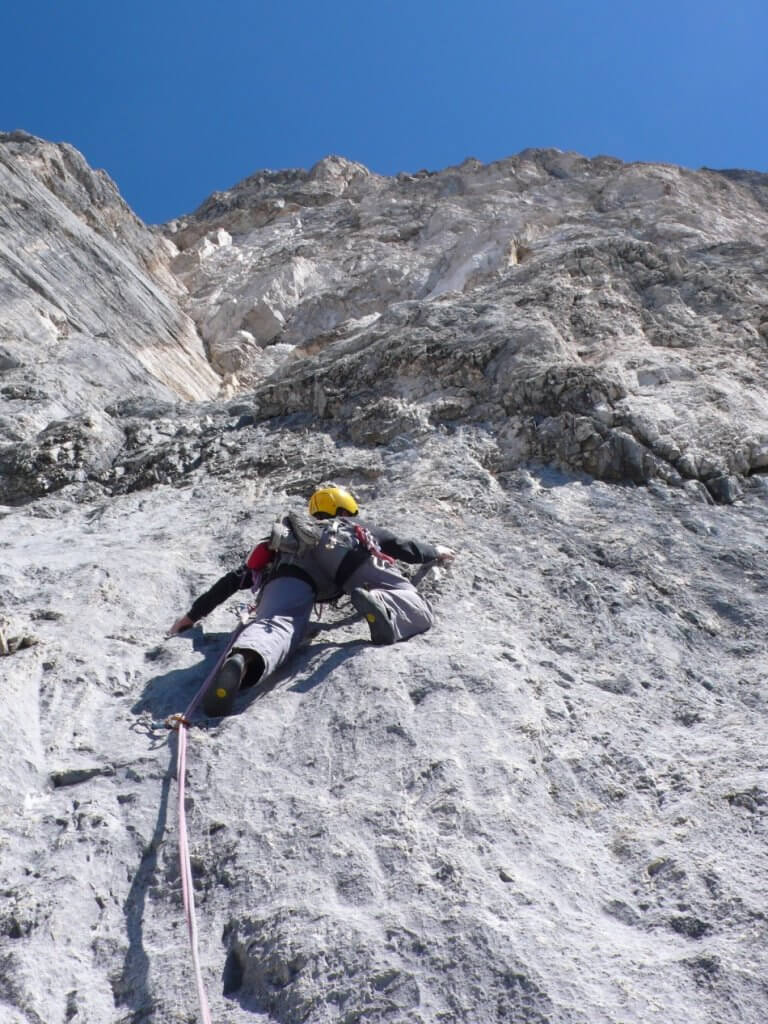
<point>180,625</point>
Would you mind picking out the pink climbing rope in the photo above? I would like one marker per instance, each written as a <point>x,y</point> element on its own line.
<point>181,724</point>
<point>186,876</point>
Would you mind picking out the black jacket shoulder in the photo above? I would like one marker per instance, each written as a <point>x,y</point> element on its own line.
<point>405,549</point>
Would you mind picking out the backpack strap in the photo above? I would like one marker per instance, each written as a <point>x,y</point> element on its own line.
<point>365,548</point>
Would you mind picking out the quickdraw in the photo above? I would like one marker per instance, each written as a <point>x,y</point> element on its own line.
<point>366,538</point>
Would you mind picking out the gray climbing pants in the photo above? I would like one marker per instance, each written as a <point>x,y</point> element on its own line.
<point>411,613</point>
<point>281,622</point>
<point>285,607</point>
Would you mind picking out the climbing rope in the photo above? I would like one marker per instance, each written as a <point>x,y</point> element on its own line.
<point>186,875</point>
<point>181,722</point>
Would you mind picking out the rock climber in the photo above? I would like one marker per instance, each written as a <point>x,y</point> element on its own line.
<point>313,559</point>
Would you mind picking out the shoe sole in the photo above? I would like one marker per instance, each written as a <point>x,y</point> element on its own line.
<point>378,623</point>
<point>219,699</point>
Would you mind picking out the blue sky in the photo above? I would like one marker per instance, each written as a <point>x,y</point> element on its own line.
<point>177,99</point>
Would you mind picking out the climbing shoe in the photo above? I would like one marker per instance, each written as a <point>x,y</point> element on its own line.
<point>376,614</point>
<point>219,698</point>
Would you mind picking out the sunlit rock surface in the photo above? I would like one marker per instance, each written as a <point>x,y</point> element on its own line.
<point>610,317</point>
<point>89,308</point>
<point>552,807</point>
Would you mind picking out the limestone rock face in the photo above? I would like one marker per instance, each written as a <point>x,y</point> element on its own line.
<point>551,807</point>
<point>610,318</point>
<point>89,307</point>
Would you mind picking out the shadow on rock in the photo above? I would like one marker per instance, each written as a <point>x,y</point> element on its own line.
<point>172,691</point>
<point>550,477</point>
<point>337,654</point>
<point>299,666</point>
<point>132,988</point>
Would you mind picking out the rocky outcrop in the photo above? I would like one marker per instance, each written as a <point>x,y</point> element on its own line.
<point>90,309</point>
<point>65,452</point>
<point>606,318</point>
<point>476,290</point>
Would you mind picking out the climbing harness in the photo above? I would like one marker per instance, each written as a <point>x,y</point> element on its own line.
<point>180,723</point>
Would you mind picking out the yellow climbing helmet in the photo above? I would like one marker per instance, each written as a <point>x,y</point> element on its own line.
<point>332,501</point>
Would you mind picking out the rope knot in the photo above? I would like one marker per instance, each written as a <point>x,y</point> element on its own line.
<point>176,721</point>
